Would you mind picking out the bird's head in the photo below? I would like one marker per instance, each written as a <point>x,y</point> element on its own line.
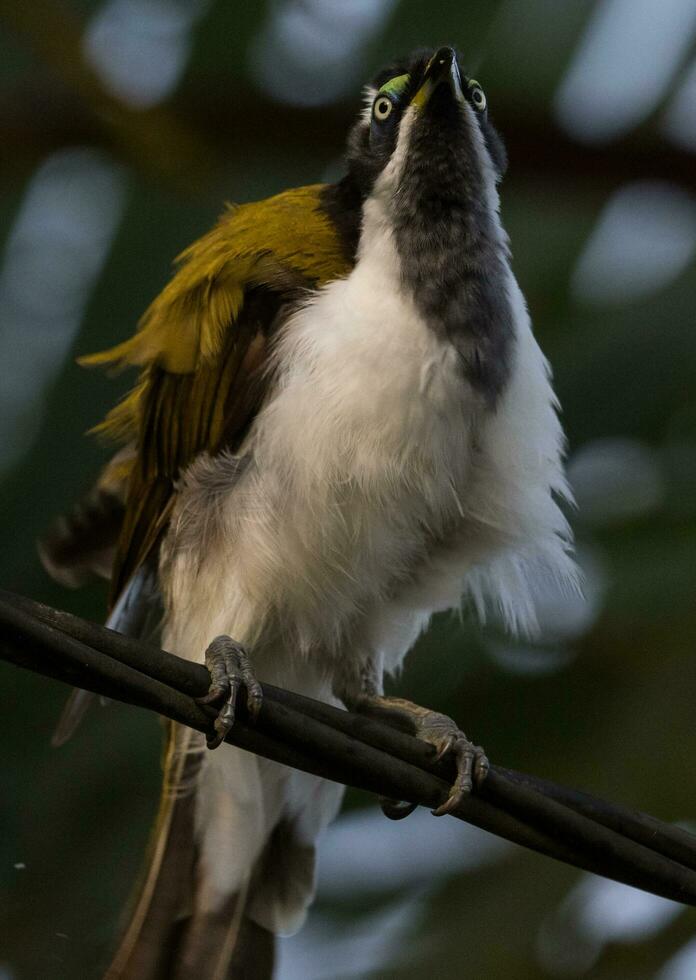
<point>420,203</point>
<point>424,140</point>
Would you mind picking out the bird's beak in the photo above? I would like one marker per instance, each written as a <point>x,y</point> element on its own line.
<point>442,68</point>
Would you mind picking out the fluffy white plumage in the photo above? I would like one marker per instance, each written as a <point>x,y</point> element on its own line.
<point>377,489</point>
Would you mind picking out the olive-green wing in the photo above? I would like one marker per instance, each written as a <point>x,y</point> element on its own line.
<point>202,347</point>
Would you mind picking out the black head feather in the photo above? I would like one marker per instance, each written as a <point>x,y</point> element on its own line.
<point>368,154</point>
<point>440,203</point>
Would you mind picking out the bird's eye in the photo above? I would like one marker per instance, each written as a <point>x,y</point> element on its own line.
<point>477,96</point>
<point>382,108</point>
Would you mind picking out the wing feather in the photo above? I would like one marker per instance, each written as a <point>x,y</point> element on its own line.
<point>202,347</point>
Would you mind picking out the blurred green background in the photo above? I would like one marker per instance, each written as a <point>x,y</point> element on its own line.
<point>124,126</point>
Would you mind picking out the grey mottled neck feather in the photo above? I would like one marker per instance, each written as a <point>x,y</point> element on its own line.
<point>452,256</point>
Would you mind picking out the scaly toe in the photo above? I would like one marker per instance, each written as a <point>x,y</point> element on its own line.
<point>215,693</point>
<point>481,765</point>
<point>439,732</point>
<point>229,668</point>
<point>254,698</point>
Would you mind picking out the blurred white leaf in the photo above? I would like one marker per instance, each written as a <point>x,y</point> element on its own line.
<point>681,966</point>
<point>615,480</point>
<point>644,238</point>
<point>363,852</point>
<point>140,48</point>
<point>679,122</point>
<point>307,51</point>
<point>623,65</point>
<point>55,251</point>
<point>597,912</point>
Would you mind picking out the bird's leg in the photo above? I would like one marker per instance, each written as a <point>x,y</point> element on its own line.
<point>436,729</point>
<point>230,669</point>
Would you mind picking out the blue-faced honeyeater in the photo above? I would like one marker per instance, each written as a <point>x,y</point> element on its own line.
<point>342,424</point>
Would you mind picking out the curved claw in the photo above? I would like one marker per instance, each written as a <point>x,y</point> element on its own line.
<point>212,741</point>
<point>447,746</point>
<point>472,768</point>
<point>396,809</point>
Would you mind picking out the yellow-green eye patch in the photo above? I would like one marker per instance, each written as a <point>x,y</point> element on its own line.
<point>395,87</point>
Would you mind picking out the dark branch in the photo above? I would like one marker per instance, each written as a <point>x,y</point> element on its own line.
<point>318,738</point>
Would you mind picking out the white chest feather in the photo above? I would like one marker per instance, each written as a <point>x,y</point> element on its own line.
<point>368,396</point>
<point>380,486</point>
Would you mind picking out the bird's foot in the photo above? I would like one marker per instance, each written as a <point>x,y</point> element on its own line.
<point>230,669</point>
<point>443,734</point>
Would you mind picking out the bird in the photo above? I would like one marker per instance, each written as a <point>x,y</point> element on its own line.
<point>342,423</point>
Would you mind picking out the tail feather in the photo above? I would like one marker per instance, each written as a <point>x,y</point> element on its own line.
<point>165,893</point>
<point>208,941</point>
<point>81,545</point>
<point>173,934</point>
<point>254,953</point>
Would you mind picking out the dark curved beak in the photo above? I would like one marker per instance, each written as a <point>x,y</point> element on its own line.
<point>441,69</point>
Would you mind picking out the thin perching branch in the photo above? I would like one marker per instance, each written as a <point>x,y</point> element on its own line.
<point>318,738</point>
